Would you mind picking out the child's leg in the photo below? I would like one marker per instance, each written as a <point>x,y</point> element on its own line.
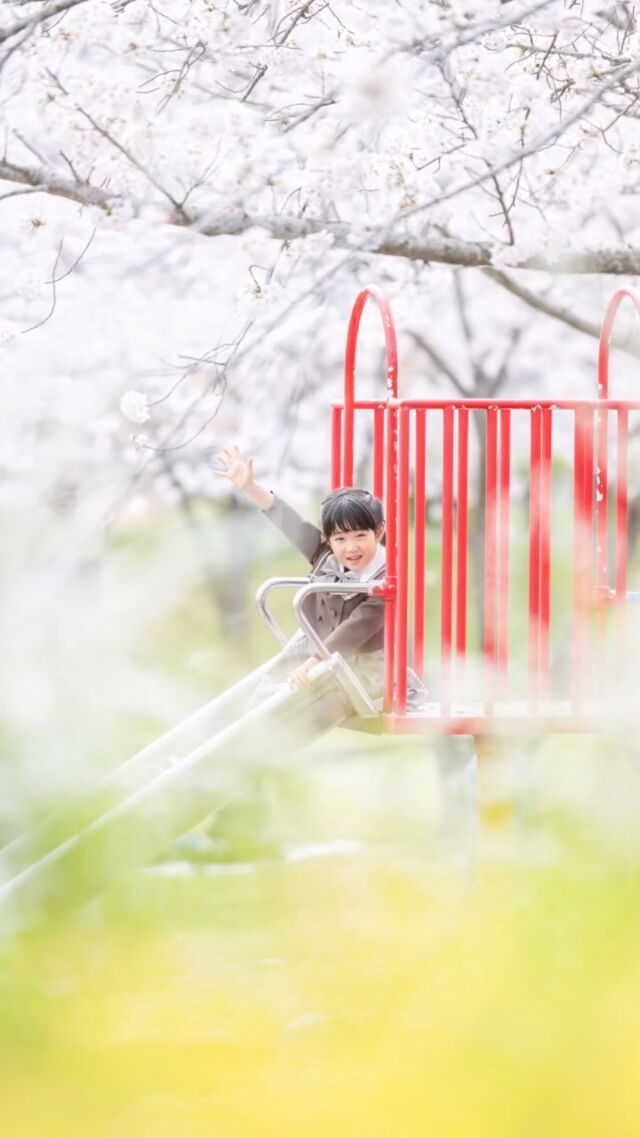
<point>369,667</point>
<point>278,671</point>
<point>417,693</point>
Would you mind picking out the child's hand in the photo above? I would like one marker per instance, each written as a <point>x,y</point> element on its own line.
<point>300,678</point>
<point>235,468</point>
<point>240,472</point>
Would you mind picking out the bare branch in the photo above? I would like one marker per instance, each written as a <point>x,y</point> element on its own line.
<point>518,156</point>
<point>441,364</point>
<point>558,312</point>
<point>294,18</point>
<point>463,313</point>
<point>18,193</point>
<point>55,280</point>
<point>54,297</point>
<point>50,183</point>
<point>119,146</point>
<point>73,266</point>
<point>460,38</point>
<point>15,46</point>
<point>29,23</point>
<point>614,261</point>
<point>240,353</point>
<point>501,374</point>
<point>470,34</point>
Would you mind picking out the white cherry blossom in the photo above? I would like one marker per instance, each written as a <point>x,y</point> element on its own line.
<point>135,407</point>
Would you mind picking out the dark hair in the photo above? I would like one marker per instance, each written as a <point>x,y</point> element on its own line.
<point>350,509</point>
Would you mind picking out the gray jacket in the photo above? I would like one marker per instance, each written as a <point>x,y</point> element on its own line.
<point>350,625</point>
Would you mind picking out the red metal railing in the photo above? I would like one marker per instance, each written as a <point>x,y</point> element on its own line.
<point>385,445</point>
<point>423,450</point>
<point>602,488</point>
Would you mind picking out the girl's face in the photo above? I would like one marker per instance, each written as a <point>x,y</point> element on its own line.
<point>354,549</point>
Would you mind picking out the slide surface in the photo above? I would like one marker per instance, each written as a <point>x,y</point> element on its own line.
<point>164,791</point>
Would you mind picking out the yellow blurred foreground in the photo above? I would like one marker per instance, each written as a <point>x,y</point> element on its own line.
<point>359,993</point>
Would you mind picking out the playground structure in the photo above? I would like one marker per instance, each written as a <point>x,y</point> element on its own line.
<point>171,785</point>
<point>471,690</point>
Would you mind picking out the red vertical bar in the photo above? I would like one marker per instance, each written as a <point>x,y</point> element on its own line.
<point>503,541</point>
<point>491,482</point>
<point>347,445</point>
<point>577,645</point>
<point>391,508</point>
<point>622,530</point>
<point>583,537</point>
<point>378,451</point>
<point>462,551</point>
<point>402,591</point>
<point>420,523</point>
<point>602,543</point>
<point>446,611</point>
<point>336,446</point>
<point>588,498</point>
<point>545,547</point>
<point>587,581</point>
<point>602,493</point>
<point>622,507</point>
<point>534,553</point>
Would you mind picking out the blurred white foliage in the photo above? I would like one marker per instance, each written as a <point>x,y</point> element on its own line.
<point>29,286</point>
<point>207,126</point>
<point>135,407</point>
<point>8,333</point>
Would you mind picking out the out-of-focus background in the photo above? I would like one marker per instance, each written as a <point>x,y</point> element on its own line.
<point>191,196</point>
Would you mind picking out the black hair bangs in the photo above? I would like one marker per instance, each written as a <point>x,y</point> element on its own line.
<point>350,509</point>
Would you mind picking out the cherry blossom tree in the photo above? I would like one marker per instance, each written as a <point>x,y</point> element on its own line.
<point>191,194</point>
<point>301,148</point>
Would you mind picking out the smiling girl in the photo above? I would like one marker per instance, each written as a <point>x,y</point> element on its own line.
<point>348,546</point>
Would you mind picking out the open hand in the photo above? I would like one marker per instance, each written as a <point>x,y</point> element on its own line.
<point>235,468</point>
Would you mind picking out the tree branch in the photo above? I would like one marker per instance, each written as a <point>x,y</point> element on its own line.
<point>614,261</point>
<point>558,312</point>
<point>29,23</point>
<point>460,37</point>
<point>50,183</point>
<point>440,363</point>
<point>619,75</point>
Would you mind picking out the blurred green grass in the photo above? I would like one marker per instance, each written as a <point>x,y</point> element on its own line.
<point>343,973</point>
<point>355,993</point>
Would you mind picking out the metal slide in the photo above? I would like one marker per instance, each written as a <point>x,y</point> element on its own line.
<point>159,756</point>
<point>151,800</point>
<point>173,784</point>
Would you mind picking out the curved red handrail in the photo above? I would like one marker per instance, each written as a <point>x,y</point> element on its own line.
<point>602,464</point>
<point>605,336</point>
<point>391,348</point>
<point>391,426</point>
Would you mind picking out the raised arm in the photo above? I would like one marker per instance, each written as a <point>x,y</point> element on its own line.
<point>239,471</point>
<point>306,537</point>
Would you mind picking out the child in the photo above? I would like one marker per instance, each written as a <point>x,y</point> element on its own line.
<point>348,547</point>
